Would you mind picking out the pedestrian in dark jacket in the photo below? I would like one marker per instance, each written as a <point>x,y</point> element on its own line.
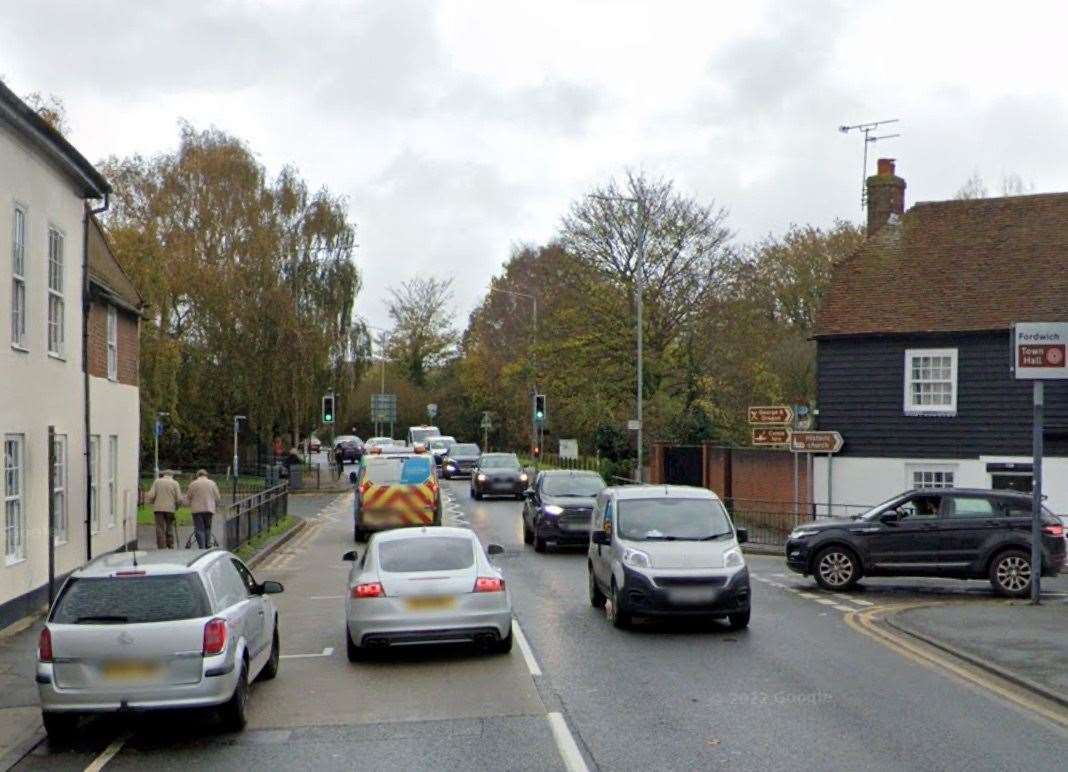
<point>339,459</point>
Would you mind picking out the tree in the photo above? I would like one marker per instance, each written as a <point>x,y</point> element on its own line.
<point>1012,184</point>
<point>50,108</point>
<point>423,336</point>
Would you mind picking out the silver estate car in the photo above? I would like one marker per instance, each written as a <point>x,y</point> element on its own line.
<point>666,550</point>
<point>424,586</point>
<point>152,630</point>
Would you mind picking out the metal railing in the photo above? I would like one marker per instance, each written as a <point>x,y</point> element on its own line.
<point>247,517</point>
<point>770,522</point>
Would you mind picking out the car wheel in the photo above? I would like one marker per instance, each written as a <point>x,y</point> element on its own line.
<point>354,652</point>
<point>1010,574</point>
<point>738,621</point>
<point>233,712</point>
<point>539,543</point>
<point>504,645</point>
<point>836,568</point>
<point>59,727</point>
<point>528,535</point>
<point>270,670</point>
<point>477,495</point>
<point>597,598</point>
<point>619,618</point>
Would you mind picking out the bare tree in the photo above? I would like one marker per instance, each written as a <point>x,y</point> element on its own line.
<point>423,336</point>
<point>1012,184</point>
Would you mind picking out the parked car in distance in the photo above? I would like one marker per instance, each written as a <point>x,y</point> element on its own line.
<point>439,446</point>
<point>558,508</point>
<point>461,460</point>
<point>498,474</point>
<point>154,630</point>
<point>964,533</point>
<point>666,550</point>
<point>352,447</point>
<point>314,444</point>
<point>426,586</point>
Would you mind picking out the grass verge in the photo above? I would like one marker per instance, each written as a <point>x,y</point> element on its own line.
<point>251,547</point>
<point>145,516</point>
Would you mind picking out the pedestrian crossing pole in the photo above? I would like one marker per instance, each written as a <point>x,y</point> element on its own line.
<point>1037,451</point>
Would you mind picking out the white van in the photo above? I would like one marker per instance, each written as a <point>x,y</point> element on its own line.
<point>666,550</point>
<point>421,434</point>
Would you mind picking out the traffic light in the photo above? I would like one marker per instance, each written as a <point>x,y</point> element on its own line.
<point>539,408</point>
<point>328,409</point>
<point>537,452</point>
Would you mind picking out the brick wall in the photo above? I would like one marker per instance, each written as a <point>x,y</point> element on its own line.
<point>128,341</point>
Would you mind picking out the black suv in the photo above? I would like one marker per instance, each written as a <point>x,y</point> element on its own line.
<point>961,533</point>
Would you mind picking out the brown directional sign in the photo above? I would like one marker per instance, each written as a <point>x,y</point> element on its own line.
<point>771,415</point>
<point>770,436</point>
<point>816,442</point>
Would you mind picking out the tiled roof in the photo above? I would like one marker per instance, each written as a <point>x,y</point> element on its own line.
<point>955,266</point>
<point>105,271</point>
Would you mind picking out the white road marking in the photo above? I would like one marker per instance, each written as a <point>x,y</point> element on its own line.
<point>827,601</point>
<point>844,608</point>
<point>780,576</point>
<point>858,601</point>
<point>325,597</point>
<point>327,652</point>
<point>807,595</point>
<point>524,647</point>
<point>565,743</point>
<point>109,753</point>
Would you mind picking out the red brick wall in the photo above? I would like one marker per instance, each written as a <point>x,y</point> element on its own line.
<point>717,470</point>
<point>128,339</point>
<point>767,477</point>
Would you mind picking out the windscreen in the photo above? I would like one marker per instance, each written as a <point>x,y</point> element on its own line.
<point>440,443</point>
<point>422,435</point>
<point>383,471</point>
<point>578,485</point>
<point>131,599</point>
<point>669,519</point>
<point>500,461</point>
<point>465,449</point>
<point>431,553</point>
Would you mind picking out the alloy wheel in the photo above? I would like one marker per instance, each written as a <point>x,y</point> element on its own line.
<point>836,568</point>
<point>1014,573</point>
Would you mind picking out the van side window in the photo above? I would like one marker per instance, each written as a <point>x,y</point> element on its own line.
<point>606,524</point>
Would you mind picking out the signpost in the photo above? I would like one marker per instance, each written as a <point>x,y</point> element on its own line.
<point>816,442</point>
<point>383,411</point>
<point>432,410</point>
<point>773,415</point>
<point>771,436</point>
<point>1038,355</point>
<point>485,426</point>
<point>569,449</point>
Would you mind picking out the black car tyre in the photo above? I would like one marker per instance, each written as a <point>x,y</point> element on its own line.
<point>354,652</point>
<point>539,543</point>
<point>477,494</point>
<point>1010,573</point>
<point>59,727</point>
<point>597,598</point>
<point>739,621</point>
<point>836,568</point>
<point>233,713</point>
<point>528,535</point>
<point>504,645</point>
<point>619,618</point>
<point>270,670</point>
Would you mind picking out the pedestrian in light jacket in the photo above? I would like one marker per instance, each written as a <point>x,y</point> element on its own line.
<point>203,498</point>
<point>164,496</point>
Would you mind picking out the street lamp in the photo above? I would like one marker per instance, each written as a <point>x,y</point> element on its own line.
<point>638,279</point>
<point>156,431</point>
<point>533,359</point>
<point>237,425</point>
<point>382,387</point>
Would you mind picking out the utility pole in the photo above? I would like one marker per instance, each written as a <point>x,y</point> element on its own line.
<point>156,431</point>
<point>237,425</point>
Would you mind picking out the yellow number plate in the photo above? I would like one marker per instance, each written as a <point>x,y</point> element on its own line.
<point>430,602</point>
<point>123,670</point>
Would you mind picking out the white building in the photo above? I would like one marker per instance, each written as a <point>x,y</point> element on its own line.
<point>45,185</point>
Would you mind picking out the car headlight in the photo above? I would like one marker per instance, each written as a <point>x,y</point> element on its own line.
<point>636,558</point>
<point>482,478</point>
<point>801,533</point>
<point>523,477</point>
<point>552,509</point>
<point>732,558</point>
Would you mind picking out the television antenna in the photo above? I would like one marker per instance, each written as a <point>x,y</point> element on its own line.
<point>867,129</point>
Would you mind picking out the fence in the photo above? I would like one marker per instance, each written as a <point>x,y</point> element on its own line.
<point>770,522</point>
<point>254,514</point>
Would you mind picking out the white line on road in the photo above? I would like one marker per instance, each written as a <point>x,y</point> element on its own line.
<point>827,601</point>
<point>565,743</point>
<point>844,608</point>
<point>327,652</point>
<point>524,647</point>
<point>325,597</point>
<point>109,753</point>
<point>858,601</point>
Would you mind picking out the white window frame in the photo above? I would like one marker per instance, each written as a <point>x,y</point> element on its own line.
<point>113,471</point>
<point>59,489</point>
<point>911,407</point>
<point>56,303</point>
<point>930,476</point>
<point>94,483</point>
<point>18,278</point>
<point>113,343</point>
<point>14,470</point>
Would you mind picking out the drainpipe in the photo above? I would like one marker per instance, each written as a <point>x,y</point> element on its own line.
<point>89,213</point>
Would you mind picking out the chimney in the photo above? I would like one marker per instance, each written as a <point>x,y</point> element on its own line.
<point>886,195</point>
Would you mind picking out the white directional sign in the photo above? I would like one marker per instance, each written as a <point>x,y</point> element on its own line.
<point>432,409</point>
<point>569,449</point>
<point>1040,350</point>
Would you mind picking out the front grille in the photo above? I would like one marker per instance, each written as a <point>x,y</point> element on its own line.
<point>691,581</point>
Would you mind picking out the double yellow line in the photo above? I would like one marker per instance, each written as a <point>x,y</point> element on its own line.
<point>869,622</point>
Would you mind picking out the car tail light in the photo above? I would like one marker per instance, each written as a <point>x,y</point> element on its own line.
<point>1053,530</point>
<point>489,584</point>
<point>369,590</point>
<point>364,487</point>
<point>128,573</point>
<point>432,485</point>
<point>214,637</point>
<point>44,646</point>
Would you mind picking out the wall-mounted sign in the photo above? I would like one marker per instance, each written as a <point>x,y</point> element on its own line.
<point>1040,350</point>
<point>771,415</point>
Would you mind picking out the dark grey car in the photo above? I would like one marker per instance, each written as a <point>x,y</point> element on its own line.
<point>461,461</point>
<point>499,474</point>
<point>558,508</point>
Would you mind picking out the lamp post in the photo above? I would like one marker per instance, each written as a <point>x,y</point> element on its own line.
<point>156,431</point>
<point>237,425</point>
<point>533,358</point>
<point>639,277</point>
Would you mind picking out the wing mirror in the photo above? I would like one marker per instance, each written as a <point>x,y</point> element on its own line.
<point>271,588</point>
<point>351,556</point>
<point>742,535</point>
<point>494,549</point>
<point>352,477</point>
<point>893,516</point>
<point>601,537</point>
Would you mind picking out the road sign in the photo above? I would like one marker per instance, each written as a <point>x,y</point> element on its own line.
<point>770,436</point>
<point>432,409</point>
<point>802,418</point>
<point>815,442</point>
<point>569,449</point>
<point>159,428</point>
<point>384,408</point>
<point>487,421</point>
<point>773,415</point>
<point>634,425</point>
<point>1040,350</point>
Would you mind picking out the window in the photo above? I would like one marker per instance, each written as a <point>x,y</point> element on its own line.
<point>14,500</point>
<point>432,553</point>
<point>920,508</point>
<point>55,292</point>
<point>18,279</point>
<point>931,381</point>
<point>131,599</point>
<point>113,344</point>
<point>932,478</point>
<point>227,584</point>
<point>94,480</point>
<point>113,471</point>
<point>59,487</point>
<point>972,506</point>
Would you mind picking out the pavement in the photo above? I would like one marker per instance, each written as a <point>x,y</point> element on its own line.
<point>800,689</point>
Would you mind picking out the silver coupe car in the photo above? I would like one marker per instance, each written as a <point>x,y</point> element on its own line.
<point>428,585</point>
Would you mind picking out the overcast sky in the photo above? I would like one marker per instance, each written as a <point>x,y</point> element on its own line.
<point>459,128</point>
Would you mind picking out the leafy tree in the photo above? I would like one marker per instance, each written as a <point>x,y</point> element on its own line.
<point>422,337</point>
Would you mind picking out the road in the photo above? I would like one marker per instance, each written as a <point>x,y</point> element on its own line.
<point>800,689</point>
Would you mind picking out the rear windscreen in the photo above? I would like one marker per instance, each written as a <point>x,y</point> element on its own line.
<point>131,599</point>
<point>415,470</point>
<point>393,471</point>
<point>433,553</point>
